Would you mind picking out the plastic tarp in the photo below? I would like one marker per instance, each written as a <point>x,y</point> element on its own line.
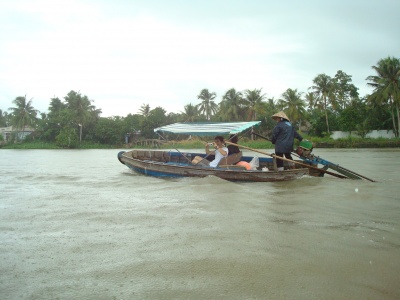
<point>207,128</point>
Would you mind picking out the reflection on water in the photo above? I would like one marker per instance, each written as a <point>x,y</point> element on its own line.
<point>78,224</point>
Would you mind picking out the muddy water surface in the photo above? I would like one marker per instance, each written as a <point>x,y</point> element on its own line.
<point>78,224</point>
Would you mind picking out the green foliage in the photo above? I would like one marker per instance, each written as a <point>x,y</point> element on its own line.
<point>317,120</point>
<point>68,138</point>
<point>132,122</point>
<point>155,119</point>
<point>386,85</point>
<point>352,116</point>
<point>345,91</point>
<point>379,116</point>
<point>110,130</point>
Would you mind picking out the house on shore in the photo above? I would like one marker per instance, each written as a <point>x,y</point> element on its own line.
<point>21,134</point>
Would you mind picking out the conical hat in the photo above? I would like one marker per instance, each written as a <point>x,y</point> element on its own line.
<point>280,114</point>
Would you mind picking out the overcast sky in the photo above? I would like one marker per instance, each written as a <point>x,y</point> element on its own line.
<point>122,54</point>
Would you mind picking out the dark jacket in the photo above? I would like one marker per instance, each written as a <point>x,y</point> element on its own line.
<point>233,149</point>
<point>283,137</point>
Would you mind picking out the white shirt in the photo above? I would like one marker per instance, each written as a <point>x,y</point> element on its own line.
<point>218,157</point>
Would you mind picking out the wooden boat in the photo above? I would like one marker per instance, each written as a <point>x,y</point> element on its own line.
<point>177,164</point>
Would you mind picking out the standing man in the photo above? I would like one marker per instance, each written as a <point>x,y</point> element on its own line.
<point>283,137</point>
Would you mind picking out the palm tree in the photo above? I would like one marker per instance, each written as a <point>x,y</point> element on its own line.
<point>232,105</point>
<point>207,106</point>
<point>56,119</point>
<point>386,85</point>
<point>253,100</point>
<point>324,91</point>
<point>311,100</point>
<point>145,110</point>
<point>293,105</point>
<point>80,108</point>
<point>190,112</point>
<point>23,113</point>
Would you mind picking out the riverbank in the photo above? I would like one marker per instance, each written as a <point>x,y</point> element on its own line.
<point>196,144</point>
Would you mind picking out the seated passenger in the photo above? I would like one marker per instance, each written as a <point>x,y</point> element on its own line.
<point>220,152</point>
<point>232,148</point>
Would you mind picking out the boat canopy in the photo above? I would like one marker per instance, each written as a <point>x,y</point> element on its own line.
<point>207,128</point>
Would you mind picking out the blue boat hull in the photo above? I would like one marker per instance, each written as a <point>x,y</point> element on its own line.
<point>167,164</point>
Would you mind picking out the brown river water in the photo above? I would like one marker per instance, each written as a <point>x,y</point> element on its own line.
<point>77,224</point>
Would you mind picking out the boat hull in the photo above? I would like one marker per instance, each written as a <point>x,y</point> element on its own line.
<point>167,168</point>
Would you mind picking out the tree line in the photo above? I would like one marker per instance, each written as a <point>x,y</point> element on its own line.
<point>331,103</point>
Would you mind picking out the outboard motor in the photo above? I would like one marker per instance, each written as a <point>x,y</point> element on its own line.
<point>304,149</point>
